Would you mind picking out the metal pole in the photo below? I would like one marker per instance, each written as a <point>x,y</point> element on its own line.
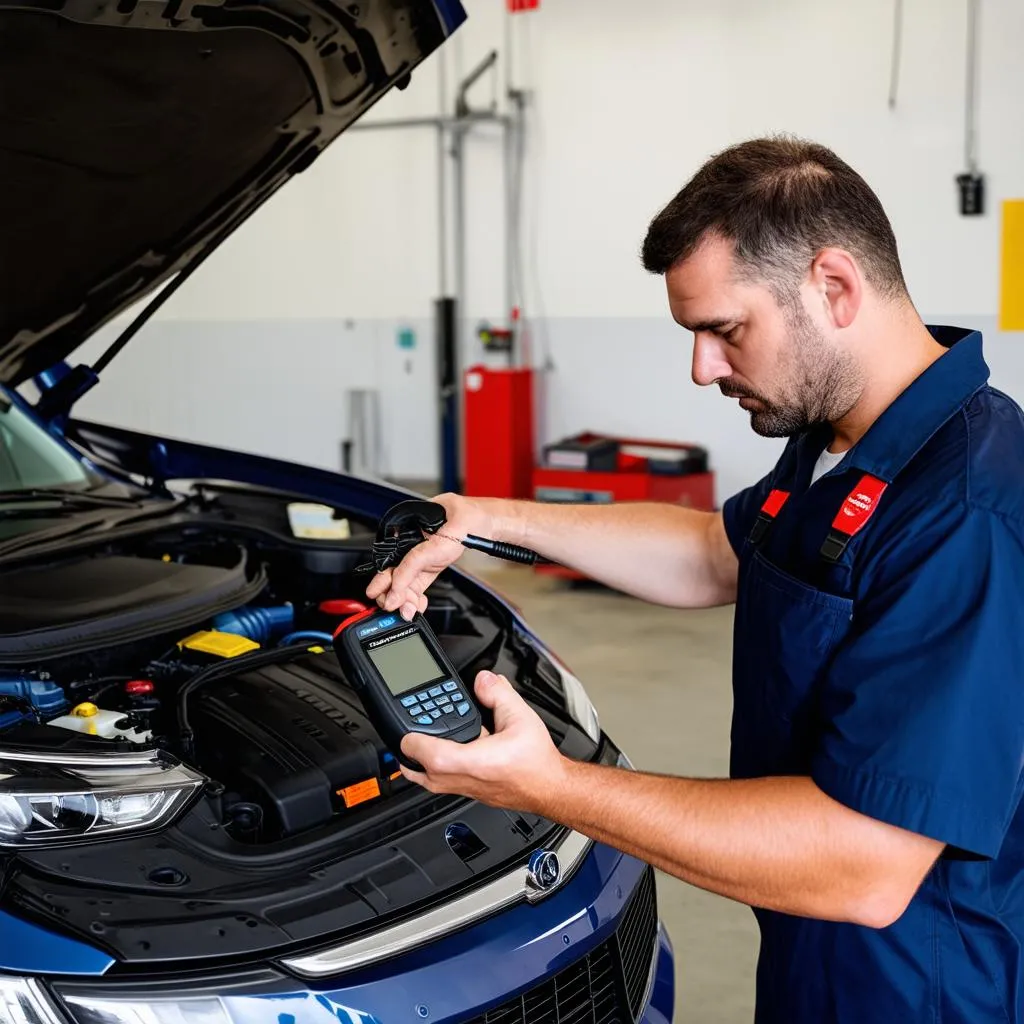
<point>461,103</point>
<point>448,392</point>
<point>508,157</point>
<point>897,48</point>
<point>459,220</point>
<point>508,153</point>
<point>398,122</point>
<point>442,182</point>
<point>970,134</point>
<point>471,116</point>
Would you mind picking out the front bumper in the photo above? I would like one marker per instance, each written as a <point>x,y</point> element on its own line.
<point>512,961</point>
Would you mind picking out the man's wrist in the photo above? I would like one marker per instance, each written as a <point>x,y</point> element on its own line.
<point>506,522</point>
<point>555,790</point>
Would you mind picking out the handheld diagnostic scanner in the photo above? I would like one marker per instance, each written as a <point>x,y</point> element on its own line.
<point>404,679</point>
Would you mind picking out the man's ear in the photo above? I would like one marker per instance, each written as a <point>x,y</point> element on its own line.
<point>837,279</point>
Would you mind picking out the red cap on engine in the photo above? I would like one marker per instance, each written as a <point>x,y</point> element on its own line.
<point>342,606</point>
<point>138,687</point>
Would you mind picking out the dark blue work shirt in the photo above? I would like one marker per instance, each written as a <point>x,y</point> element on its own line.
<point>894,678</point>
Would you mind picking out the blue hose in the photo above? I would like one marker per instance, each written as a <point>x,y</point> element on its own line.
<point>307,634</point>
<point>258,624</point>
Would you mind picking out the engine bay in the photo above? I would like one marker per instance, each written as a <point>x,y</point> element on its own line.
<point>211,641</point>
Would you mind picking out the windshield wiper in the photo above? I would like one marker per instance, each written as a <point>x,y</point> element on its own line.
<point>65,499</point>
<point>83,524</point>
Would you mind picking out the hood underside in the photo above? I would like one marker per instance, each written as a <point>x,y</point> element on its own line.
<point>135,135</point>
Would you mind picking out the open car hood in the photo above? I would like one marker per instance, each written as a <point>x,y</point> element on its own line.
<point>135,135</point>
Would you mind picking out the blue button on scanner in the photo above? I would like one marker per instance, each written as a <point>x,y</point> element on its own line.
<point>449,687</point>
<point>429,706</point>
<point>424,720</point>
<point>436,713</point>
<point>463,709</point>
<point>457,697</point>
<point>448,708</point>
<point>436,691</point>
<point>423,696</point>
<point>418,710</point>
<point>407,702</point>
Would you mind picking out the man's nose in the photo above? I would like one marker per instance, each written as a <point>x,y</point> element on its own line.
<point>709,362</point>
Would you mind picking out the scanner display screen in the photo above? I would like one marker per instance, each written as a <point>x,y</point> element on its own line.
<point>405,664</point>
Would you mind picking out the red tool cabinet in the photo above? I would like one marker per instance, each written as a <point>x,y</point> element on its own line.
<point>632,480</point>
<point>498,450</point>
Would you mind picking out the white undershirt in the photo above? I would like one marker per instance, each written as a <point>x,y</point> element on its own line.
<point>826,461</point>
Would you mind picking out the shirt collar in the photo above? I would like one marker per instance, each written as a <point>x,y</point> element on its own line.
<point>919,411</point>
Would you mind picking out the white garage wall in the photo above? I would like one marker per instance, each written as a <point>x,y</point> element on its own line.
<point>309,297</point>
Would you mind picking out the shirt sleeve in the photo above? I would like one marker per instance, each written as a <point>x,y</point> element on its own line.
<point>923,706</point>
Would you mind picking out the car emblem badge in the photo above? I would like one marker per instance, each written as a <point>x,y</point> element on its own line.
<point>543,873</point>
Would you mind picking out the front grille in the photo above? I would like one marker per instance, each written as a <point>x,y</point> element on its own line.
<point>607,986</point>
<point>635,938</point>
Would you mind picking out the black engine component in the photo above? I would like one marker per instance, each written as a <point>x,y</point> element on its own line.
<point>401,528</point>
<point>72,607</point>
<point>287,738</point>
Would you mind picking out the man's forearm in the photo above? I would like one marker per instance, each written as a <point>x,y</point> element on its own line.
<point>658,552</point>
<point>776,843</point>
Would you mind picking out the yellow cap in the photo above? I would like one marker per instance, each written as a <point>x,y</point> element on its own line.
<point>223,645</point>
<point>85,710</point>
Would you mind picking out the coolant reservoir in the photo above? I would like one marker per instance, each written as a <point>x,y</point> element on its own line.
<point>94,721</point>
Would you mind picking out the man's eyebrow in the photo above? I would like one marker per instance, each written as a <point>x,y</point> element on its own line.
<point>710,325</point>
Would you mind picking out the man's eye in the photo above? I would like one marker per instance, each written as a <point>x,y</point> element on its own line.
<point>730,334</point>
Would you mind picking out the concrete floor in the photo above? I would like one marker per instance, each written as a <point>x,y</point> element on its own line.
<point>643,666</point>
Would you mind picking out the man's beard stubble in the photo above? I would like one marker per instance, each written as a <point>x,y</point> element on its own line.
<point>824,384</point>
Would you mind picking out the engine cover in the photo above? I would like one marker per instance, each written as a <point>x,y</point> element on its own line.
<point>286,737</point>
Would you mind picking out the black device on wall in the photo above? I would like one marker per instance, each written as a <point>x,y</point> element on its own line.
<point>972,194</point>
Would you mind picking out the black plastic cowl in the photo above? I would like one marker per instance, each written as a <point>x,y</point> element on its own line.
<point>71,607</point>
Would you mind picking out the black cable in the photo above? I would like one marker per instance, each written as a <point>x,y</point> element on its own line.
<point>229,667</point>
<point>409,523</point>
<point>499,549</point>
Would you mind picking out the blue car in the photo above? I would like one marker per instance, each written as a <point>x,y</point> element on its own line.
<point>198,823</point>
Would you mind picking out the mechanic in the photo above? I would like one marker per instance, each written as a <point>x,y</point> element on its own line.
<point>872,818</point>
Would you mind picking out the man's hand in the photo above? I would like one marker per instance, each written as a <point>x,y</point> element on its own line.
<point>404,587</point>
<point>517,767</point>
<point>778,843</point>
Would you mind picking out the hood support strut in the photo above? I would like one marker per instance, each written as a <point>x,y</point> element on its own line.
<point>62,386</point>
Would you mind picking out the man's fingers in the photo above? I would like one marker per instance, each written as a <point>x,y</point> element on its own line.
<point>418,777</point>
<point>415,563</point>
<point>379,585</point>
<point>497,693</point>
<point>428,558</point>
<point>402,588</point>
<point>432,752</point>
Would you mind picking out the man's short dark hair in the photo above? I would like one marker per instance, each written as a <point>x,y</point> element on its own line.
<point>781,201</point>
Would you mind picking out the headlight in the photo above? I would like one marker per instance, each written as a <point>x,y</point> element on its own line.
<point>75,798</point>
<point>580,706</point>
<point>304,1007</point>
<point>157,1011</point>
<point>23,1002</point>
<point>577,703</point>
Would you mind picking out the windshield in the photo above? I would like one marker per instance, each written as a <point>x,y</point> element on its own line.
<point>30,458</point>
